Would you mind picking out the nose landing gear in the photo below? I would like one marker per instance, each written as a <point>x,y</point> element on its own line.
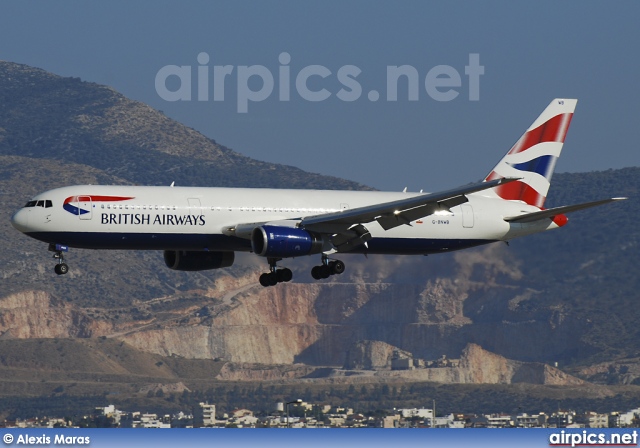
<point>61,268</point>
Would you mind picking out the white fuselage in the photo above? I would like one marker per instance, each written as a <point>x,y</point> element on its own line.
<point>196,218</point>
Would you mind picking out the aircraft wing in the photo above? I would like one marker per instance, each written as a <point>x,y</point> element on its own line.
<point>346,228</point>
<point>396,213</point>
<point>550,213</point>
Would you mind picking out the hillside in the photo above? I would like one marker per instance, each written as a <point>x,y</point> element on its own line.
<point>588,271</point>
<point>45,116</point>
<point>566,296</point>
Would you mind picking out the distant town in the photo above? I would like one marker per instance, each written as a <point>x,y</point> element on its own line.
<point>299,414</point>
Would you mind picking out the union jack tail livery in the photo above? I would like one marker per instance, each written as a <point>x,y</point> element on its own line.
<point>533,157</point>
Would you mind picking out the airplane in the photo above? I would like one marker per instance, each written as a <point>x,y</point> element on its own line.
<point>201,228</point>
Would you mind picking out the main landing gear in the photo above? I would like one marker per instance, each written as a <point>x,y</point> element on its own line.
<point>327,268</point>
<point>275,275</point>
<point>58,249</point>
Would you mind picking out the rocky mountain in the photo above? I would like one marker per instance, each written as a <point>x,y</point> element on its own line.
<point>44,116</point>
<point>508,313</point>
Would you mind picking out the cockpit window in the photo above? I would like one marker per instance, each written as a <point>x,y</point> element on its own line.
<point>41,203</point>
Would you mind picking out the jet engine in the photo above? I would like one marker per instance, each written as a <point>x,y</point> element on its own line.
<point>185,260</point>
<point>284,242</point>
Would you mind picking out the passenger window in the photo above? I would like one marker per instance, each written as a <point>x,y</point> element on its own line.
<point>48,204</point>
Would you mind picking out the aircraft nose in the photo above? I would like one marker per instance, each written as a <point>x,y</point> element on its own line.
<point>20,220</point>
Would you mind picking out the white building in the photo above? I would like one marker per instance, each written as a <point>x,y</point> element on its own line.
<point>208,414</point>
<point>626,419</point>
<point>152,421</point>
<point>420,413</point>
<point>595,420</point>
<point>448,421</point>
<point>525,420</point>
<point>499,421</point>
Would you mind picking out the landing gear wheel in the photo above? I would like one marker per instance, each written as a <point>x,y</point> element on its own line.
<point>315,272</point>
<point>61,267</point>
<point>264,280</point>
<point>327,268</point>
<point>275,275</point>
<point>337,267</point>
<point>325,271</point>
<point>284,275</point>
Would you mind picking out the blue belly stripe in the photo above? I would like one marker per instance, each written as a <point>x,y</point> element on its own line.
<point>188,241</point>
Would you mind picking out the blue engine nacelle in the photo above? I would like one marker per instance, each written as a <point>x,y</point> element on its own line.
<point>284,242</point>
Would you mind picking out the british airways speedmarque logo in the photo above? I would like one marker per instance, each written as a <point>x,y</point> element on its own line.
<point>74,204</point>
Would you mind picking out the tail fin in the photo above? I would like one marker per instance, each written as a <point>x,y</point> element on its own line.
<point>534,156</point>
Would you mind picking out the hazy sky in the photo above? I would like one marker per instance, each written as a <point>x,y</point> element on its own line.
<point>531,52</point>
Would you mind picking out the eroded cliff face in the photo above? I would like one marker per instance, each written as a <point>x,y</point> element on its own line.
<point>35,314</point>
<point>372,355</point>
<point>480,366</point>
<point>470,297</point>
<point>475,366</point>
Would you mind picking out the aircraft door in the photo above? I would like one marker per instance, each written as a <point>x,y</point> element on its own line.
<point>85,207</point>
<point>467,216</point>
<point>194,207</point>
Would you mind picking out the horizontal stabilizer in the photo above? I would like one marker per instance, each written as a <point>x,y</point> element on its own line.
<point>550,213</point>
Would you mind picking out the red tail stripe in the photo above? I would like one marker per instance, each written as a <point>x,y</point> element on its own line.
<point>519,191</point>
<point>553,130</point>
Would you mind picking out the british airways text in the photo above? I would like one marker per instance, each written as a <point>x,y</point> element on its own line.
<point>146,218</point>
